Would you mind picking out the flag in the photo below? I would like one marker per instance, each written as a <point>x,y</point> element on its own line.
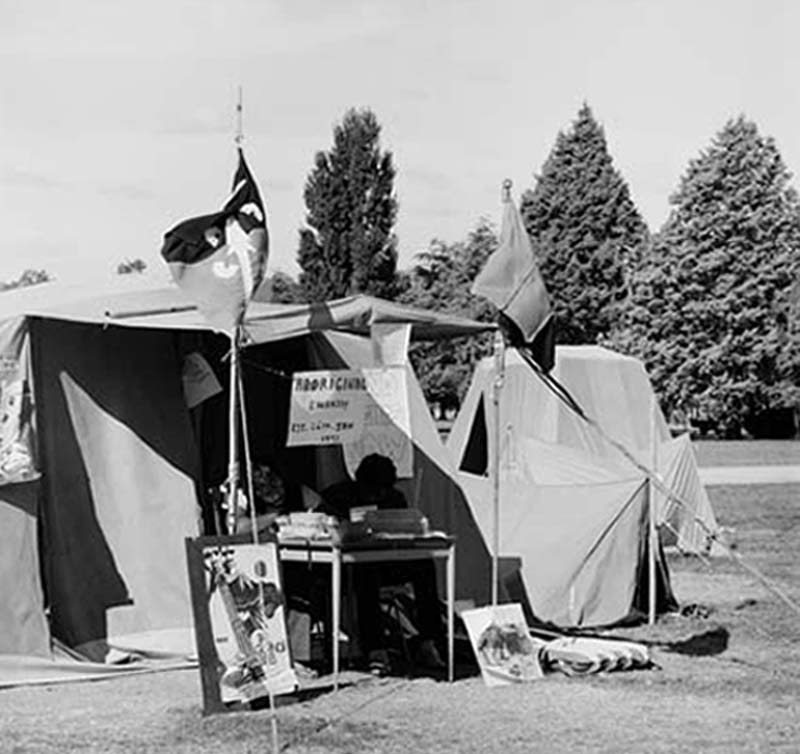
<point>512,282</point>
<point>219,260</point>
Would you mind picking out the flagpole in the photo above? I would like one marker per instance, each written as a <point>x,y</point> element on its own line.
<point>233,433</point>
<point>239,138</point>
<point>499,378</point>
<point>233,414</point>
<point>652,531</point>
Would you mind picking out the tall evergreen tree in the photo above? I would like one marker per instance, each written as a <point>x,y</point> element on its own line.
<point>585,229</point>
<point>348,246</point>
<point>711,308</point>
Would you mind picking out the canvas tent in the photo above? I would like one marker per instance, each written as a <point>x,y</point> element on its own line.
<point>572,507</point>
<point>92,552</point>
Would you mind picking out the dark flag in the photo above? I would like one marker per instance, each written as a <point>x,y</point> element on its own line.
<point>219,260</point>
<point>512,282</point>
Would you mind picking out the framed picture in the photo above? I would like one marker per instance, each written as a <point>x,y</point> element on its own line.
<point>240,621</point>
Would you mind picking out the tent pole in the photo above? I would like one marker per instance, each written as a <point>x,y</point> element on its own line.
<point>233,433</point>
<point>652,531</point>
<point>499,378</point>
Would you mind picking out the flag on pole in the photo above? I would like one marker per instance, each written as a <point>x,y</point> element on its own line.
<point>219,260</point>
<point>512,282</point>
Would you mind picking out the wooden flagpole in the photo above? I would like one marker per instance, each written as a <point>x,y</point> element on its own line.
<point>236,374</point>
<point>233,414</point>
<point>497,389</point>
<point>239,138</point>
<point>233,434</point>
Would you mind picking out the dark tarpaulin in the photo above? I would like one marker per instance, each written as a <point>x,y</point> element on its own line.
<point>119,464</point>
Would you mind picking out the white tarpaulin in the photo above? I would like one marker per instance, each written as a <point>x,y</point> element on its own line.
<point>363,410</point>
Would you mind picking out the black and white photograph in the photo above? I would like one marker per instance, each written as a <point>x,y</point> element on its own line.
<point>400,376</point>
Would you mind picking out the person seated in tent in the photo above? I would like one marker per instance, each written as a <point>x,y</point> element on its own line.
<point>374,487</point>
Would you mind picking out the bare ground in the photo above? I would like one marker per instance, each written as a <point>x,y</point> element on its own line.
<point>728,681</point>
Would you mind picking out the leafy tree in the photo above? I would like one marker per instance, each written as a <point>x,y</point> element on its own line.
<point>27,278</point>
<point>712,309</point>
<point>441,280</point>
<point>131,266</point>
<point>284,289</point>
<point>348,246</point>
<point>585,229</point>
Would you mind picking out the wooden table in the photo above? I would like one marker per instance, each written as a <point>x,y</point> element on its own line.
<point>377,549</point>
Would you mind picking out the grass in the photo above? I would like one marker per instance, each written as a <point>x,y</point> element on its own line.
<point>747,452</point>
<point>728,681</point>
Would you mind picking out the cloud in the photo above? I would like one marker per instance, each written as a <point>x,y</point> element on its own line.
<point>126,191</point>
<point>20,178</point>
<point>432,179</point>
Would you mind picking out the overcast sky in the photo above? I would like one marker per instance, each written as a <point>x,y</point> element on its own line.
<point>117,118</point>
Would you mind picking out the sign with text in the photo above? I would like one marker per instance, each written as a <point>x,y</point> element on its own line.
<point>364,410</point>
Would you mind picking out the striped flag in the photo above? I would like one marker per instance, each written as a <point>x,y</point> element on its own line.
<point>511,280</point>
<point>219,260</point>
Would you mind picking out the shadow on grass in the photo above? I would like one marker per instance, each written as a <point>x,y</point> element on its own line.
<point>708,643</point>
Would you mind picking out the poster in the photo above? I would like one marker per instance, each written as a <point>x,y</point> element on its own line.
<point>17,437</point>
<point>240,620</point>
<point>363,410</point>
<point>502,644</point>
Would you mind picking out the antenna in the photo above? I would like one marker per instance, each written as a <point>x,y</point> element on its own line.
<point>239,138</point>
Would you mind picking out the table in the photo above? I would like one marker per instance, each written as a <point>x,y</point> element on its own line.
<point>377,549</point>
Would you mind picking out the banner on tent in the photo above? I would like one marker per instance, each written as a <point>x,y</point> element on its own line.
<point>199,381</point>
<point>240,624</point>
<point>17,440</point>
<point>363,410</point>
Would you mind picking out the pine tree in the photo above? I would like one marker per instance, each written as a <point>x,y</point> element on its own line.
<point>348,246</point>
<point>711,308</point>
<point>585,229</point>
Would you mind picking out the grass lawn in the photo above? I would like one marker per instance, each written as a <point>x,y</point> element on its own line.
<point>728,681</point>
<point>747,452</point>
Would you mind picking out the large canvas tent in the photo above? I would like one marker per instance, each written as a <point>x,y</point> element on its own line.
<point>92,550</point>
<point>572,508</point>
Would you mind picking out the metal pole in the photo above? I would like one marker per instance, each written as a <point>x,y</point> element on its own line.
<point>499,377</point>
<point>652,531</point>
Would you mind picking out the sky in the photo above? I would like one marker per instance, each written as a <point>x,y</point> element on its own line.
<point>117,118</point>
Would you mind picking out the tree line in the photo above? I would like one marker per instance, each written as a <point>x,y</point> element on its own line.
<point>709,302</point>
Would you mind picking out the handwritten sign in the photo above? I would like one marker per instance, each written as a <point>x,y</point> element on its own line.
<point>327,407</point>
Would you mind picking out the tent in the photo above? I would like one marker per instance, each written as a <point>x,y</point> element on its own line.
<point>93,531</point>
<point>572,507</point>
